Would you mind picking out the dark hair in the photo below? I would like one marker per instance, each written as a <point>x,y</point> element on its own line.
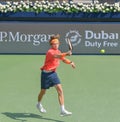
<point>54,37</point>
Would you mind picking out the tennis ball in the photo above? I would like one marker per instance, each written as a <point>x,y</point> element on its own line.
<point>102,51</point>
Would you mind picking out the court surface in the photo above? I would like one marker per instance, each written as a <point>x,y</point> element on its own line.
<point>92,90</point>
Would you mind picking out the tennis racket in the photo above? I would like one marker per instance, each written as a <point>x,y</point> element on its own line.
<point>69,44</point>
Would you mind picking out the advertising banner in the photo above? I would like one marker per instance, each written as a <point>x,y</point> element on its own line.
<point>33,37</point>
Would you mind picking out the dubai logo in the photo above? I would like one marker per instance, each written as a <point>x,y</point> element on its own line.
<point>74,37</point>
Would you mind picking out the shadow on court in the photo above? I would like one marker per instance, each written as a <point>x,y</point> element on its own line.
<point>23,116</point>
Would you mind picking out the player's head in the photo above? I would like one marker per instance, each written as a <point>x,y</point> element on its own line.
<point>54,39</point>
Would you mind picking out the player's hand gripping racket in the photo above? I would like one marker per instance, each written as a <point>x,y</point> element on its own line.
<point>69,44</point>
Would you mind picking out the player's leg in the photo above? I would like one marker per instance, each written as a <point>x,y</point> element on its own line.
<point>40,96</point>
<point>60,94</point>
<point>42,92</point>
<point>39,105</point>
<point>61,100</point>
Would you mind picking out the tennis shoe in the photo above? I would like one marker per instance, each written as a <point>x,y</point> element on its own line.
<point>65,113</point>
<point>40,108</point>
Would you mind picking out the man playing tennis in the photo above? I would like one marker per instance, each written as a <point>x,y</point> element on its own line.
<point>49,76</point>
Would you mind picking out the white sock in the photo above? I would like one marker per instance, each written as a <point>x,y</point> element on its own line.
<point>39,103</point>
<point>62,107</point>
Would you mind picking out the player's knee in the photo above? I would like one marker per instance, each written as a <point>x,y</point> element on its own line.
<point>60,92</point>
<point>43,91</point>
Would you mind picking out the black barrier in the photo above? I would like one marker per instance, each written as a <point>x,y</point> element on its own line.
<point>33,37</point>
<point>61,17</point>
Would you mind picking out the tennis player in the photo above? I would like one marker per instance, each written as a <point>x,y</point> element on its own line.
<point>49,76</point>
